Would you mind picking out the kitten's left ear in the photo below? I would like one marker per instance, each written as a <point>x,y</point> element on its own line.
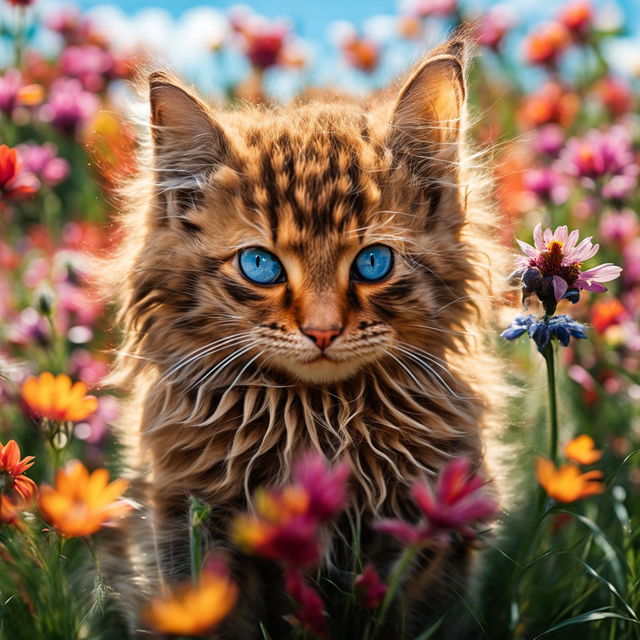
<point>428,116</point>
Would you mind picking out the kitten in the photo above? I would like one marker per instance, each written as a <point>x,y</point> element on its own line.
<point>311,277</point>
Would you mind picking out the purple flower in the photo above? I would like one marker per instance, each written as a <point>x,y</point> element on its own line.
<point>10,85</point>
<point>369,587</point>
<point>550,140</point>
<point>88,63</point>
<point>605,157</point>
<point>619,227</point>
<point>43,161</point>
<point>553,267</point>
<point>69,105</point>
<point>562,327</point>
<point>547,184</point>
<point>456,504</point>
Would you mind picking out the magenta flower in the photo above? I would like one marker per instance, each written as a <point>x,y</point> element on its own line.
<point>310,612</point>
<point>554,265</point>
<point>89,63</point>
<point>550,140</point>
<point>325,487</point>
<point>547,184</point>
<point>619,227</point>
<point>494,27</point>
<point>10,85</point>
<point>603,157</point>
<point>69,105</point>
<point>42,160</point>
<point>369,587</point>
<point>457,504</point>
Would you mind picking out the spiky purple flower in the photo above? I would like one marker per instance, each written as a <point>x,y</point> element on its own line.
<point>562,327</point>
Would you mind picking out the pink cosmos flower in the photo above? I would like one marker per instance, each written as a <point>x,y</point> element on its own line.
<point>457,503</point>
<point>557,259</point>
<point>69,105</point>
<point>547,184</point>
<point>42,160</point>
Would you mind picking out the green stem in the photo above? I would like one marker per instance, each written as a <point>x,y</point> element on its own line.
<point>394,581</point>
<point>549,356</point>
<point>198,513</point>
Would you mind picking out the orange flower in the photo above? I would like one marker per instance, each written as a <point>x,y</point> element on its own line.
<point>15,182</point>
<point>81,503</point>
<point>12,480</point>
<point>550,104</point>
<point>606,313</point>
<point>582,450</point>
<point>547,43</point>
<point>567,484</point>
<point>193,610</point>
<point>8,511</point>
<point>57,399</point>
<point>577,17</point>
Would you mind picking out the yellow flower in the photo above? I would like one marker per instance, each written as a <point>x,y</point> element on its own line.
<point>582,450</point>
<point>567,484</point>
<point>81,503</point>
<point>193,610</point>
<point>57,399</point>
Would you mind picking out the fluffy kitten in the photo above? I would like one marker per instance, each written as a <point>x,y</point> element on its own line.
<point>316,276</point>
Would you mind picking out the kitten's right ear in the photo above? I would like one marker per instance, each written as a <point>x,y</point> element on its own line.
<point>188,144</point>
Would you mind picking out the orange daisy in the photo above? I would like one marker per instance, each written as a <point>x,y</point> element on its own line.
<point>193,610</point>
<point>56,398</point>
<point>81,503</point>
<point>582,450</point>
<point>567,484</point>
<point>12,480</point>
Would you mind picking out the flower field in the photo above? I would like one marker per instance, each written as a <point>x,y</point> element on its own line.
<point>555,120</point>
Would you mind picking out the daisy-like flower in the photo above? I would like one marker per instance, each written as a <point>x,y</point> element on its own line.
<point>16,489</point>
<point>457,503</point>
<point>194,610</point>
<point>81,503</point>
<point>567,484</point>
<point>582,450</point>
<point>552,268</point>
<point>56,398</point>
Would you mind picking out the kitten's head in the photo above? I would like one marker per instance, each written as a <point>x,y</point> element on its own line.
<point>311,241</point>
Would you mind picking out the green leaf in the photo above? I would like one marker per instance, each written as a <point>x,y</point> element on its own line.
<point>590,616</point>
<point>265,633</point>
<point>428,633</point>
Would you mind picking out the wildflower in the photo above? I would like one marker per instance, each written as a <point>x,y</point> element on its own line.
<point>545,45</point>
<point>552,268</point>
<point>567,484</point>
<point>69,106</point>
<point>616,95</point>
<point>561,327</point>
<point>547,184</point>
<point>280,528</point>
<point>605,159</point>
<point>550,140</point>
<point>619,227</point>
<point>13,482</point>
<point>362,53</point>
<point>494,27</point>
<point>438,8</point>
<point>607,313</point>
<point>577,17</point>
<point>369,587</point>
<point>82,502</point>
<point>15,182</point>
<point>582,450</point>
<point>56,398</point>
<point>325,487</point>
<point>310,612</point>
<point>8,510</point>
<point>194,610</point>
<point>285,524</point>
<point>42,161</point>
<point>457,503</point>
<point>551,104</point>
<point>14,93</point>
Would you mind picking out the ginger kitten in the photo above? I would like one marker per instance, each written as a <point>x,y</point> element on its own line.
<point>310,277</point>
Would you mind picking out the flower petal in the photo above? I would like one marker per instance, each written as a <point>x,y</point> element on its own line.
<point>560,287</point>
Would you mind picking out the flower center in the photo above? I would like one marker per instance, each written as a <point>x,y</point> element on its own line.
<point>550,263</point>
<point>6,482</point>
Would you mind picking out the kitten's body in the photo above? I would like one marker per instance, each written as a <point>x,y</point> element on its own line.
<point>407,385</point>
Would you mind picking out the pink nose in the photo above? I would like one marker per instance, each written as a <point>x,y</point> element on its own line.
<point>322,337</point>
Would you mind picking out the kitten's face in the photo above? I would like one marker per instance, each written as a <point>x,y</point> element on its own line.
<point>305,247</point>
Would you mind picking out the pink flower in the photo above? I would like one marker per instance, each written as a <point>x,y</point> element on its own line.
<point>43,162</point>
<point>547,184</point>
<point>326,487</point>
<point>556,261</point>
<point>550,139</point>
<point>89,63</point>
<point>310,611</point>
<point>424,8</point>
<point>619,227</point>
<point>69,105</point>
<point>457,503</point>
<point>603,157</point>
<point>494,27</point>
<point>369,587</point>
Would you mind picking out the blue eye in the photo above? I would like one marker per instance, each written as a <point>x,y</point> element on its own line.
<point>373,263</point>
<point>260,266</point>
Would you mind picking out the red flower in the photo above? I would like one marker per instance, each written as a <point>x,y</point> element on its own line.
<point>310,611</point>
<point>577,17</point>
<point>15,488</point>
<point>457,503</point>
<point>15,182</point>
<point>369,587</point>
<point>545,45</point>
